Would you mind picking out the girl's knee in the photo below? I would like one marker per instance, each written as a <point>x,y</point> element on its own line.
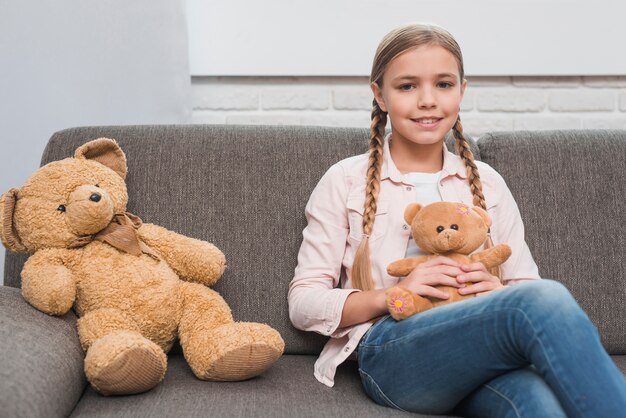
<point>545,299</point>
<point>548,294</point>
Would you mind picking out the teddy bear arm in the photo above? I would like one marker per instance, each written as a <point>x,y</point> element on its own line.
<point>47,283</point>
<point>493,256</point>
<point>403,267</point>
<point>192,259</point>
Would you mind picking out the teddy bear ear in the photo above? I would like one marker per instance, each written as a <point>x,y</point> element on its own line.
<point>483,214</point>
<point>106,152</point>
<point>411,211</point>
<point>8,234</point>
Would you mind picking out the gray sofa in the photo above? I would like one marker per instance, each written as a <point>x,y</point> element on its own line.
<point>244,188</point>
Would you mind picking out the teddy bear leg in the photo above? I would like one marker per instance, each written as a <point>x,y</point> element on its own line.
<point>216,347</point>
<point>119,360</point>
<point>401,303</point>
<point>422,303</point>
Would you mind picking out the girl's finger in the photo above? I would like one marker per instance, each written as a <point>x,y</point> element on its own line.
<point>424,290</point>
<point>451,271</point>
<point>444,280</point>
<point>476,276</point>
<point>478,288</point>
<point>439,260</point>
<point>433,279</point>
<point>473,267</point>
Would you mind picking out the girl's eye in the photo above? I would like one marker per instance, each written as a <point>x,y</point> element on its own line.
<point>445,84</point>
<point>61,208</point>
<point>406,87</point>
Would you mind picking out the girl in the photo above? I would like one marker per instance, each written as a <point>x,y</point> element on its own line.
<point>525,348</point>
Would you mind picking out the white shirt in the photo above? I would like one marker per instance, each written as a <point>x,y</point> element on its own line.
<point>426,192</point>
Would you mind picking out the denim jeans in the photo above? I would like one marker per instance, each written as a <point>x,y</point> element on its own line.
<point>525,351</point>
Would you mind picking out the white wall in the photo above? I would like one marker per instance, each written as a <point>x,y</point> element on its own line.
<point>339,37</point>
<point>530,64</point>
<point>67,63</point>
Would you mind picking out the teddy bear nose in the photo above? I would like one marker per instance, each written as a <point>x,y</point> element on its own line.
<point>95,197</point>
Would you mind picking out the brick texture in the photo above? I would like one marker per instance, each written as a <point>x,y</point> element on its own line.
<point>489,104</point>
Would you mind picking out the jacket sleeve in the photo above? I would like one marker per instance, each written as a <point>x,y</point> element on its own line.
<point>315,302</point>
<point>508,229</point>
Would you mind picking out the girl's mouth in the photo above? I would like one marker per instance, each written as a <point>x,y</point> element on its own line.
<point>427,123</point>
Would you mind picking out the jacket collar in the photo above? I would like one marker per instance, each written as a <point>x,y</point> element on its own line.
<point>452,164</point>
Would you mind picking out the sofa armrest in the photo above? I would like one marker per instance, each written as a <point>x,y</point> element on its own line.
<point>41,368</point>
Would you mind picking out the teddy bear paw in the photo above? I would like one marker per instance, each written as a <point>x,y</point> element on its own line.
<point>400,303</point>
<point>124,363</point>
<point>236,351</point>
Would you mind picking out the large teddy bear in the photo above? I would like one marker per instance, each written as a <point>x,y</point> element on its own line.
<point>450,229</point>
<point>135,286</point>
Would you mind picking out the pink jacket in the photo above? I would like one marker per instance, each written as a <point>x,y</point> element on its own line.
<point>334,213</point>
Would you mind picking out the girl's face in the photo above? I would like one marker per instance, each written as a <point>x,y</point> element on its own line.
<point>422,93</point>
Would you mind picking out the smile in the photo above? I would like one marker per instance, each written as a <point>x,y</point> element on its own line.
<point>427,122</point>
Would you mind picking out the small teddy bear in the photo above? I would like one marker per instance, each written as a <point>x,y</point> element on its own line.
<point>136,287</point>
<point>449,229</point>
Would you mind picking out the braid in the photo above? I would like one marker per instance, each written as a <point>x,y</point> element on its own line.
<point>476,187</point>
<point>464,151</point>
<point>374,165</point>
<point>361,268</point>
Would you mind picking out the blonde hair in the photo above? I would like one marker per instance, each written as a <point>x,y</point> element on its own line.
<point>393,44</point>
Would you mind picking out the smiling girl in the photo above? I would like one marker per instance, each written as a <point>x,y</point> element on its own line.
<point>524,348</point>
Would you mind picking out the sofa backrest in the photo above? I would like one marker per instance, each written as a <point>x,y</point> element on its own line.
<point>570,186</point>
<point>242,188</point>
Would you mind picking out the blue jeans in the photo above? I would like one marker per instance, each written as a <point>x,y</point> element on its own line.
<point>524,351</point>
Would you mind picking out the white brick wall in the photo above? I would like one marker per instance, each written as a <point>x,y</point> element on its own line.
<point>490,103</point>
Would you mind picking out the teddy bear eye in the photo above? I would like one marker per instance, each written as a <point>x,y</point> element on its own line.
<point>439,228</point>
<point>455,227</point>
<point>61,208</point>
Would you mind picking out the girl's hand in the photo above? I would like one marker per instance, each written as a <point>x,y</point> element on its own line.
<point>437,271</point>
<point>482,281</point>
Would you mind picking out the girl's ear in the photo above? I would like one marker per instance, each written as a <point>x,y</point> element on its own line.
<point>463,87</point>
<point>8,234</point>
<point>106,152</point>
<point>378,96</point>
<point>411,211</point>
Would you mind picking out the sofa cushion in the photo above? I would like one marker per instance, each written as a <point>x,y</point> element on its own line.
<point>242,188</point>
<point>288,389</point>
<point>570,187</point>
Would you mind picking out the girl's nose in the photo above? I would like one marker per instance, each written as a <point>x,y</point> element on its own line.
<point>426,99</point>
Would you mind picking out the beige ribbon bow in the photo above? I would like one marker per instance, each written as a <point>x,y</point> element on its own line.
<point>121,233</point>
